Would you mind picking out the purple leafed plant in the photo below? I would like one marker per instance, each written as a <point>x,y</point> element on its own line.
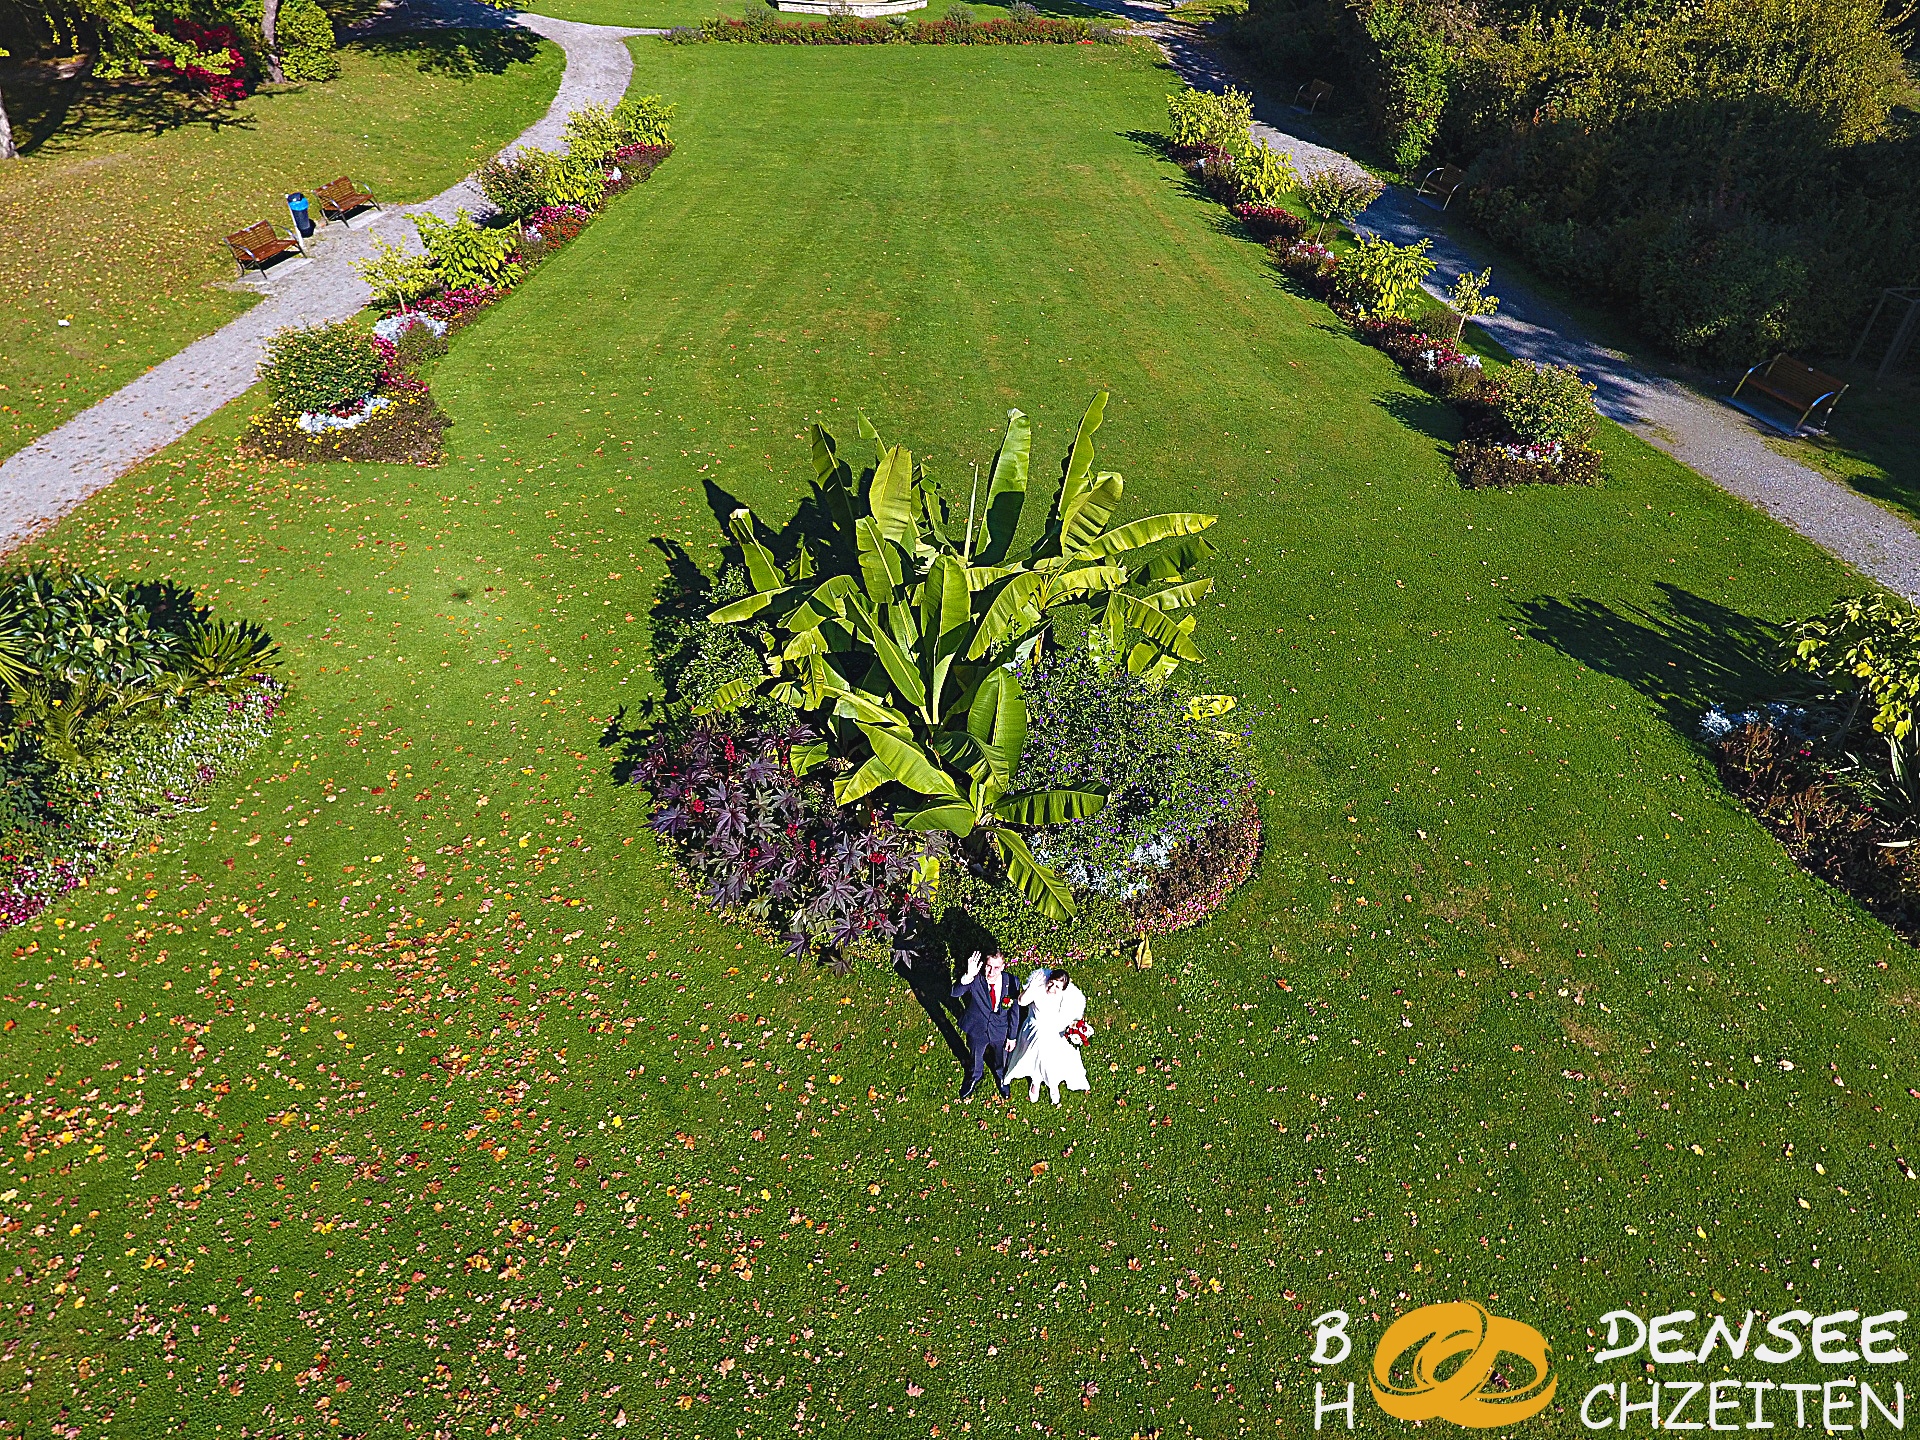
<point>772,847</point>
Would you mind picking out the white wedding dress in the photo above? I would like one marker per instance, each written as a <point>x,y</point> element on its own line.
<point>1046,1058</point>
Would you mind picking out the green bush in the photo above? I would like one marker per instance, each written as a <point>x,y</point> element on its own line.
<point>642,120</point>
<point>516,184</point>
<point>1379,277</point>
<point>1545,404</point>
<point>1412,66</point>
<point>590,135</point>
<point>464,255</point>
<point>396,278</point>
<point>306,42</point>
<point>1735,176</point>
<point>1204,120</point>
<point>1265,177</point>
<point>1171,768</point>
<point>1337,195</point>
<point>320,367</point>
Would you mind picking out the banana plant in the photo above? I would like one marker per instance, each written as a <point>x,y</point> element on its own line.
<point>901,630</point>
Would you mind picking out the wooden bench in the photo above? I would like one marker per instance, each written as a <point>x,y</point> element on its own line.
<point>258,245</point>
<point>1443,182</point>
<point>1794,384</point>
<point>1314,91</point>
<point>342,198</point>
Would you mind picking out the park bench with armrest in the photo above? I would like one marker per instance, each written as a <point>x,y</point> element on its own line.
<point>1313,92</point>
<point>1794,384</point>
<point>342,198</point>
<point>1443,182</point>
<point>258,245</point>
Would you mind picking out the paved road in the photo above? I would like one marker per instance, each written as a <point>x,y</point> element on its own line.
<point>54,474</point>
<point>1699,431</point>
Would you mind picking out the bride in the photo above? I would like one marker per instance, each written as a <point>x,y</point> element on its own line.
<point>1047,1057</point>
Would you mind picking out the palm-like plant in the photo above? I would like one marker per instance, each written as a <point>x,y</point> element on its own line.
<point>897,635</point>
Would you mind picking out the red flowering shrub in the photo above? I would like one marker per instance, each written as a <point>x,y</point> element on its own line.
<point>456,307</point>
<point>557,224</point>
<point>213,40</point>
<point>1308,264</point>
<point>1270,222</point>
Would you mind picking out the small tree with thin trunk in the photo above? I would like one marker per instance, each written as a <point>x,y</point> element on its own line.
<point>1336,197</point>
<point>1469,299</point>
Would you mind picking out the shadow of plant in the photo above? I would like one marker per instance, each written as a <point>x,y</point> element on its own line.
<point>49,115</point>
<point>1696,654</point>
<point>1428,414</point>
<point>458,53</point>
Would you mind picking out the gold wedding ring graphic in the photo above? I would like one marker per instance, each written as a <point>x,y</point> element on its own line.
<point>1475,1337</point>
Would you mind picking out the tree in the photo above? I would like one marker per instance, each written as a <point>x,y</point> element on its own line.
<point>270,35</point>
<point>1469,299</point>
<point>896,634</point>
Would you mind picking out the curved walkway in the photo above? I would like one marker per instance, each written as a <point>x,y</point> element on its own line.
<point>1716,440</point>
<point>63,467</point>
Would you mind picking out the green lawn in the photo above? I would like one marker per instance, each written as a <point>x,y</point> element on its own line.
<point>656,14</point>
<point>114,219</point>
<point>403,1080</point>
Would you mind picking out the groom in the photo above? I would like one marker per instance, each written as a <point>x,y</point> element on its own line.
<point>991,1019</point>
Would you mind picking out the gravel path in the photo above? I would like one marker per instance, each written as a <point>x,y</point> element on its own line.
<point>1713,438</point>
<point>54,474</point>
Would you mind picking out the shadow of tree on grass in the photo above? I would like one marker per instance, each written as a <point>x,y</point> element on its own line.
<point>1694,654</point>
<point>458,54</point>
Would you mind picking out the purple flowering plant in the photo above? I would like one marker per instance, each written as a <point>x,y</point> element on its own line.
<point>770,847</point>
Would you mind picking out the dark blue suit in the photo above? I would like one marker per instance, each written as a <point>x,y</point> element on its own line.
<point>988,1027</point>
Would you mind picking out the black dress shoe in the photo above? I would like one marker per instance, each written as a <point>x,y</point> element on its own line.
<point>1006,1092</point>
<point>966,1090</point>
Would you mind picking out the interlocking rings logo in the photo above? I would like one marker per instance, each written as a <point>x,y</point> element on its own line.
<point>1476,1337</point>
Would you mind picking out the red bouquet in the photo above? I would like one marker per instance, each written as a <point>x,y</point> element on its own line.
<point>1078,1033</point>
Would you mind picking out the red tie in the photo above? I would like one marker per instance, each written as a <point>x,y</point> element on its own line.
<point>993,993</point>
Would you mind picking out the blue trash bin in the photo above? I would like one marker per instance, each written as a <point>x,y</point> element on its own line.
<point>302,221</point>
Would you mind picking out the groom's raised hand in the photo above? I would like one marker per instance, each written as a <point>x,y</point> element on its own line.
<point>973,969</point>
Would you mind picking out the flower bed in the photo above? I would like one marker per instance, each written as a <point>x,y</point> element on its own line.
<point>1270,222</point>
<point>1829,827</point>
<point>1066,802</point>
<point>129,703</point>
<point>408,428</point>
<point>1529,426</point>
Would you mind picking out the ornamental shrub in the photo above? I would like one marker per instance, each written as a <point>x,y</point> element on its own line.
<point>1203,120</point>
<point>643,120</point>
<point>1545,404</point>
<point>1265,176</point>
<point>320,367</point>
<point>590,134</point>
<point>1336,196</point>
<point>516,184</point>
<point>466,256</point>
<point>1379,276</point>
<point>1171,769</point>
<point>305,37</point>
<point>835,881</point>
<point>396,278</point>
